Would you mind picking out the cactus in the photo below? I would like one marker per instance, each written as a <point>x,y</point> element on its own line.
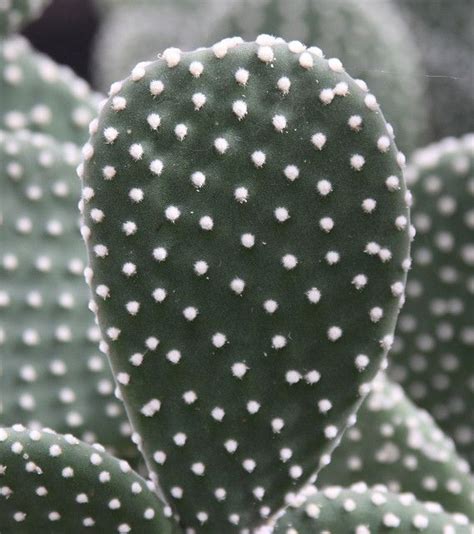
<point>396,444</point>
<point>240,202</point>
<point>364,510</point>
<point>433,358</point>
<point>53,373</point>
<point>55,484</point>
<point>16,13</point>
<point>371,37</point>
<point>42,96</point>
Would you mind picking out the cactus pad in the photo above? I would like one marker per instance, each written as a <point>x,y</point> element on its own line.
<point>396,444</point>
<point>363,510</point>
<point>434,359</point>
<point>42,96</point>
<point>56,484</point>
<point>53,373</point>
<point>16,13</point>
<point>241,203</point>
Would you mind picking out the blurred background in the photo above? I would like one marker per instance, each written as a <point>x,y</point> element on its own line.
<point>82,33</point>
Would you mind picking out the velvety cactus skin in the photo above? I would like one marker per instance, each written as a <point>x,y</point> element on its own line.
<point>42,96</point>
<point>56,484</point>
<point>240,203</point>
<point>363,510</point>
<point>396,444</point>
<point>434,357</point>
<point>16,13</point>
<point>52,372</point>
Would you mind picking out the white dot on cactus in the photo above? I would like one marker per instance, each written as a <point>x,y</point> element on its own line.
<point>401,222</point>
<point>136,195</point>
<point>241,194</point>
<point>129,268</point>
<point>242,76</point>
<point>383,143</point>
<point>341,89</point>
<point>385,254</point>
<point>239,369</point>
<point>136,151</point>
<point>281,214</point>
<point>110,135</point>
<point>159,457</point>
<point>291,172</point>
<point>239,107</point>
<point>152,342</point>
<point>198,468</point>
<point>306,60</point>
<point>181,130</point>
<point>172,213</point>
<point>324,187</point>
<point>258,158</point>
<point>318,140</point>
<point>295,472</point>
<point>285,454</point>
<point>326,96</point>
<point>297,47</point>
<point>355,122</point>
<point>199,99</point>
<point>313,295</point>
<point>97,216</point>
<point>172,56</point>
<point>221,145</point>
<point>401,160</point>
<point>189,397</point>
<point>219,340</point>
<point>55,450</point>
<point>293,377</point>
<point>217,413</point>
<point>136,359</point>
<point>190,313</point>
<point>237,285</point>
<point>67,472</point>
<point>376,314</point>
<point>180,439</point>
<point>123,378</point>
<point>277,425</point>
<point>138,72</point>
<point>332,257</point>
<point>265,54</point>
<point>206,223</point>
<point>160,254</point>
<point>357,162</point>
<point>202,517</point>
<point>334,333</point>
<point>253,407</point>
<point>247,240</point>
<point>371,102</point>
<point>359,281</point>
<point>249,465</point>
<point>392,183</point>
<point>284,85</point>
<point>231,445</point>
<point>198,179</point>
<point>159,294</point>
<point>279,122</point>
<point>420,522</point>
<point>173,356</point>
<point>119,103</point>
<point>289,261</point>
<point>326,224</point>
<point>154,120</point>
<point>324,405</point>
<point>279,342</point>
<point>156,87</point>
<point>176,492</point>
<point>109,172</point>
<point>220,494</point>
<point>101,251</point>
<point>19,516</point>
<point>330,432</point>
<point>270,306</point>
<point>129,228</point>
<point>369,205</point>
<point>200,267</point>
<point>196,68</point>
<point>390,520</point>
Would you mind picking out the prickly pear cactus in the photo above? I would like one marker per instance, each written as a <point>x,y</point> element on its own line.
<point>16,13</point>
<point>434,359</point>
<point>53,374</point>
<point>54,483</point>
<point>240,202</point>
<point>370,37</point>
<point>42,96</point>
<point>364,510</point>
<point>396,444</point>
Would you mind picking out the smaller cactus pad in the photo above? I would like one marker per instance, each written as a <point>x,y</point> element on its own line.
<point>240,203</point>
<point>40,95</point>
<point>55,483</point>
<point>16,13</point>
<point>363,510</point>
<point>53,372</point>
<point>396,444</point>
<point>434,356</point>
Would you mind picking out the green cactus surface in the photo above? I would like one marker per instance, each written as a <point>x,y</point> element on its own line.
<point>434,355</point>
<point>247,225</point>
<point>53,373</point>
<point>396,444</point>
<point>16,13</point>
<point>371,38</point>
<point>363,510</point>
<point>40,95</point>
<point>52,483</point>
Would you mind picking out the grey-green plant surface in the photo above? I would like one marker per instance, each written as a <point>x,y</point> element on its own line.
<point>397,444</point>
<point>54,483</point>
<point>42,96</point>
<point>363,510</point>
<point>371,37</point>
<point>16,13</point>
<point>434,356</point>
<point>240,202</point>
<point>52,371</point>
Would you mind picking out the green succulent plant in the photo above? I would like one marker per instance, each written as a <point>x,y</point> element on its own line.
<point>52,372</point>
<point>239,203</point>
<point>433,358</point>
<point>16,13</point>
